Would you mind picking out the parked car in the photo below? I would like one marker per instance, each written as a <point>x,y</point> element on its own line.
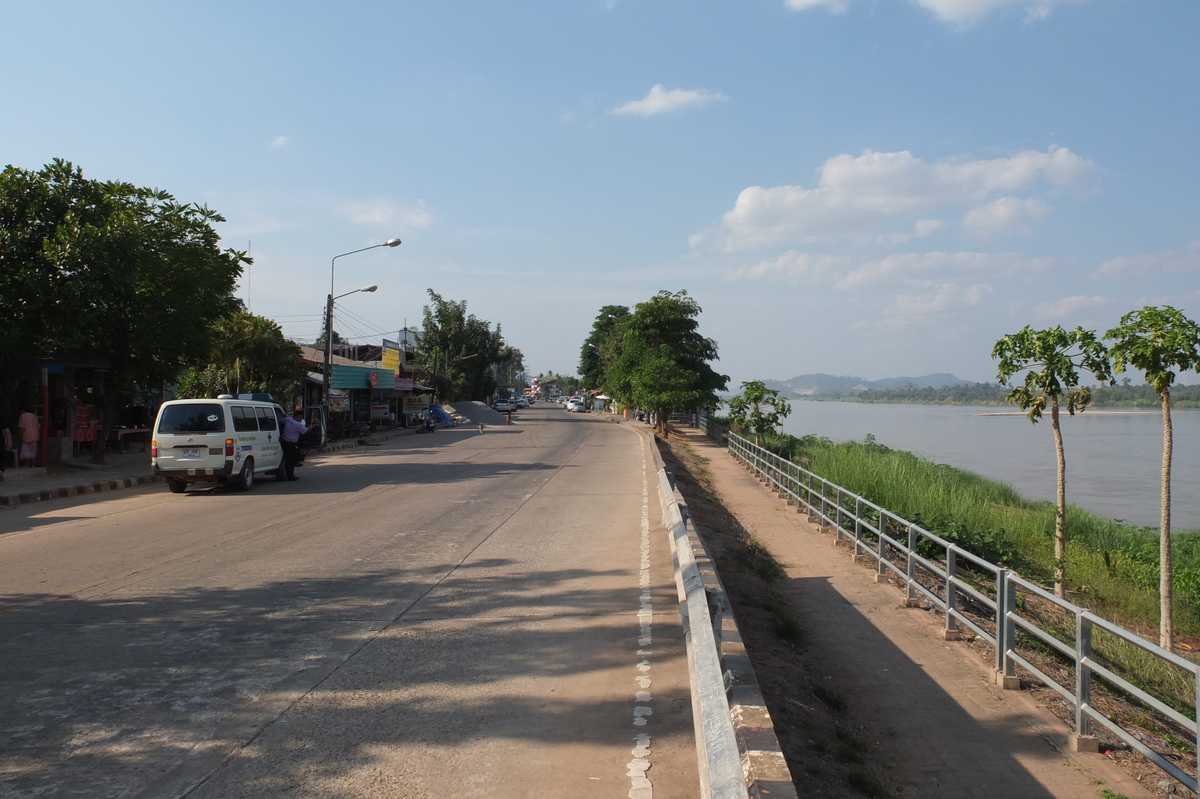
<point>216,440</point>
<point>503,405</point>
<point>521,402</point>
<point>576,406</point>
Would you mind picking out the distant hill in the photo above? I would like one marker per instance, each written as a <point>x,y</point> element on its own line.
<point>822,385</point>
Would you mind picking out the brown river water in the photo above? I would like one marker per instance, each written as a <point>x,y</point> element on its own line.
<point>1114,457</point>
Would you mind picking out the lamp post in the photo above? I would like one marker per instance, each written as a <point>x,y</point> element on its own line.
<point>329,315</point>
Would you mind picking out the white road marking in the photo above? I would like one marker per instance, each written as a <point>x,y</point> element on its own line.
<point>640,786</point>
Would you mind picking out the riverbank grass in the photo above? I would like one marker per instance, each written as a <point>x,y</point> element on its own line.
<point>1112,568</point>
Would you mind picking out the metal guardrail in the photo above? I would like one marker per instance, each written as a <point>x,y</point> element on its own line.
<point>721,774</point>
<point>981,596</point>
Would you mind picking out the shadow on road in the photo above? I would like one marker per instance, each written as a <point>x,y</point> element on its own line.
<point>113,693</point>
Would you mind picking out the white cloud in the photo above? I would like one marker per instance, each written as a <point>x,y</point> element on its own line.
<point>280,141</point>
<point>968,12</point>
<point>795,267</point>
<point>385,214</point>
<point>927,227</point>
<point>877,195</point>
<point>957,12</point>
<point>910,266</point>
<point>1004,215</point>
<point>914,269</point>
<point>1166,262</point>
<point>1069,306</point>
<point>661,101</point>
<point>940,297</point>
<point>834,6</point>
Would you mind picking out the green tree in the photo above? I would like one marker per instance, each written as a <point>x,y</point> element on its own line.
<point>1159,341</point>
<point>602,346</point>
<point>759,408</point>
<point>109,271</point>
<point>249,355</point>
<point>458,350</point>
<point>1052,360</point>
<point>663,363</point>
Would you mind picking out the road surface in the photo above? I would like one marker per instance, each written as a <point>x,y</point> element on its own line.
<point>456,614</point>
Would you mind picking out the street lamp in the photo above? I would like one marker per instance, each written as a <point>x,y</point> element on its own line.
<point>329,314</point>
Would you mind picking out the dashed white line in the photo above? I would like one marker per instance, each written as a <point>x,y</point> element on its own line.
<point>640,786</point>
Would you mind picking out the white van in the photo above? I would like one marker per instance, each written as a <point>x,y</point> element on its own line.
<point>217,440</point>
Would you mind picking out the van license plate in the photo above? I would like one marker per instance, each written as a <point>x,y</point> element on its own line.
<point>190,453</point>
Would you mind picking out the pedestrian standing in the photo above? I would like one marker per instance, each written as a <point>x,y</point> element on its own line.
<point>289,439</point>
<point>31,432</point>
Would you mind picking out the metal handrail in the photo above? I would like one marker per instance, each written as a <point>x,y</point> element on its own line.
<point>850,515</point>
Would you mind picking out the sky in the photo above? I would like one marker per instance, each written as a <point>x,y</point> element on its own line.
<point>877,188</point>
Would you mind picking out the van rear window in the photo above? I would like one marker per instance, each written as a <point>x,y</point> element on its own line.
<point>183,419</point>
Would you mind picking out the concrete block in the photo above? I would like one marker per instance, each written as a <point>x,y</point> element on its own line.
<point>1007,683</point>
<point>1083,743</point>
<point>950,635</point>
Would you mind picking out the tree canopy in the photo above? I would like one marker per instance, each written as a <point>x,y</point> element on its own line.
<point>249,354</point>
<point>107,271</point>
<point>602,345</point>
<point>660,361</point>
<point>458,350</point>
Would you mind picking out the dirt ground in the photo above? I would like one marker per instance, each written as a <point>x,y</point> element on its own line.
<point>866,696</point>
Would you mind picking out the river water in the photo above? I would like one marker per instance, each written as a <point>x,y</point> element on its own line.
<point>1114,458</point>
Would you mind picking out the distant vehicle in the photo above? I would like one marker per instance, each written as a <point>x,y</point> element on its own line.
<point>521,402</point>
<point>576,406</point>
<point>503,405</point>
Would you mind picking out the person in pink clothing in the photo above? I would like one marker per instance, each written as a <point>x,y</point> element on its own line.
<point>31,430</point>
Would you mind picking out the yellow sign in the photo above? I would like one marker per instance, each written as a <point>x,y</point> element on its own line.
<point>391,360</point>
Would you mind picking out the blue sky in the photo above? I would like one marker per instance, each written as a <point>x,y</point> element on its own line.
<point>866,187</point>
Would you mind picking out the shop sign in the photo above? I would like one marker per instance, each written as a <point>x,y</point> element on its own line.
<point>379,411</point>
<point>417,403</point>
<point>391,357</point>
<point>339,400</point>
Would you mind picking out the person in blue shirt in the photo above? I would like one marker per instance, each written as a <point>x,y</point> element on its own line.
<point>289,437</point>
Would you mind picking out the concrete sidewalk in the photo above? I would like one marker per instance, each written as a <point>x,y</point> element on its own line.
<point>945,730</point>
<point>121,470</point>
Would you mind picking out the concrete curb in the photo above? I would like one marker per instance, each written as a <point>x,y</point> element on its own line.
<point>136,481</point>
<point>764,769</point>
<point>95,487</point>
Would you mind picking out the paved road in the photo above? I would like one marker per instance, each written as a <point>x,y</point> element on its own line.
<point>453,614</point>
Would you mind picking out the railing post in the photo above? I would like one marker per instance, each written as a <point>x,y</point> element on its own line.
<point>1006,635</point>
<point>857,525</point>
<point>881,568</point>
<point>951,632</point>
<point>910,589</point>
<point>1082,740</point>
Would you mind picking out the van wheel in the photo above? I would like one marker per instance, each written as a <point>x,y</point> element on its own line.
<point>177,486</point>
<point>245,479</point>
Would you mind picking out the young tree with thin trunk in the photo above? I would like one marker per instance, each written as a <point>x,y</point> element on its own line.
<point>1052,360</point>
<point>759,408</point>
<point>1158,341</point>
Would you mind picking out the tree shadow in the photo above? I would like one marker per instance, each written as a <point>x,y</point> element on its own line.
<point>109,695</point>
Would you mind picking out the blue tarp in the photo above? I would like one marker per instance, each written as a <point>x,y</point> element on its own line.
<point>439,415</point>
